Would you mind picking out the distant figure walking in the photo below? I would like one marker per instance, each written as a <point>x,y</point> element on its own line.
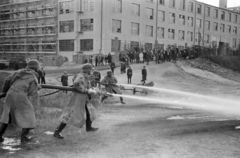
<point>129,74</point>
<point>64,80</point>
<point>144,74</point>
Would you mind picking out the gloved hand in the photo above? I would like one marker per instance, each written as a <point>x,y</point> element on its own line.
<point>39,87</point>
<point>92,91</point>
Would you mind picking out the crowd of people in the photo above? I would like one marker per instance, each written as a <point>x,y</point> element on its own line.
<point>99,60</point>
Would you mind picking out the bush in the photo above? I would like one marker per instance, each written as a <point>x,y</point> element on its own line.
<point>229,62</point>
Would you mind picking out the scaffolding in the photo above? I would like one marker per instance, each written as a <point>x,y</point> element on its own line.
<point>28,27</point>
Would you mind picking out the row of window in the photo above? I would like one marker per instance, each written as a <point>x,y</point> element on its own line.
<point>68,6</point>
<point>221,28</point>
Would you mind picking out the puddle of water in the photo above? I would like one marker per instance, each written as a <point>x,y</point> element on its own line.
<point>49,133</point>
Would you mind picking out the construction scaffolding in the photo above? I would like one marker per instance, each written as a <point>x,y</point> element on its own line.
<point>28,28</point>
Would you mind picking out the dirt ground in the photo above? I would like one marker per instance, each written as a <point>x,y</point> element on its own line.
<point>147,129</point>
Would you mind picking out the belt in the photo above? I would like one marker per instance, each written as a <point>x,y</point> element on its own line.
<point>18,90</point>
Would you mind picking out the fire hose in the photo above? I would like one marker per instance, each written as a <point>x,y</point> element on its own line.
<point>45,86</point>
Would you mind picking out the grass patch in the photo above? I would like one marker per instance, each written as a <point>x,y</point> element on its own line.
<point>229,62</point>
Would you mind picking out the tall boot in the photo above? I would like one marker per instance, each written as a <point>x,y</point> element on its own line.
<point>89,127</point>
<point>59,130</point>
<point>121,99</point>
<point>24,138</point>
<point>3,128</point>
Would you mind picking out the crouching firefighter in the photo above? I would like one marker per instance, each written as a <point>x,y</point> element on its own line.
<point>79,110</point>
<point>21,90</point>
<point>109,81</point>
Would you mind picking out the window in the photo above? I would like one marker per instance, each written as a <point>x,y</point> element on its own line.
<point>172,3</point>
<point>151,1</point>
<point>67,26</point>
<point>182,4</point>
<point>207,25</point>
<point>87,5</point>
<point>234,30</point>
<point>161,15</point>
<point>162,2</point>
<point>116,26</point>
<point>215,26</point>
<point>234,43</point>
<point>171,33</point>
<point>86,44</point>
<point>66,45</point>
<point>207,11</point>
<point>117,6</point>
<point>198,23</point>
<point>181,19</point>
<point>149,31</point>
<point>149,12</point>
<point>66,7</point>
<point>160,32</point>
<point>190,21</point>
<point>135,28</point>
<point>207,38</point>
<point>135,9</point>
<point>190,6</point>
<point>148,46</point>
<point>235,18</point>
<point>199,9</point>
<point>222,15</point>
<point>86,25</point>
<point>215,14</point>
<point>189,36</point>
<point>181,35</point>
<point>229,29</point>
<point>222,27</point>
<point>134,44</point>
<point>171,18</point>
<point>115,45</point>
<point>198,37</point>
<point>229,17</point>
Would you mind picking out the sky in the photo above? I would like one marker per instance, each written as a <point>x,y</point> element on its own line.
<point>231,3</point>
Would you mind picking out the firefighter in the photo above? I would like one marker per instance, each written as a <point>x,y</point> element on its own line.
<point>22,94</point>
<point>79,104</point>
<point>109,81</point>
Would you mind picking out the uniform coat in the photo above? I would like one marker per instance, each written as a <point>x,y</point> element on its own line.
<point>74,113</point>
<point>108,82</point>
<point>144,74</point>
<point>21,97</point>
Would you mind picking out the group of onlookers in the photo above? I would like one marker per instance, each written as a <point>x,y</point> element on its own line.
<point>99,60</point>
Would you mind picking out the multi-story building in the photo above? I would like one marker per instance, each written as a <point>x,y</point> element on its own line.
<point>103,26</point>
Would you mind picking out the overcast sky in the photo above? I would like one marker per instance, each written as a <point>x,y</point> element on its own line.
<point>231,3</point>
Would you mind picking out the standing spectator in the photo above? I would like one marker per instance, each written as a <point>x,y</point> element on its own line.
<point>156,57</point>
<point>148,56</point>
<point>102,58</point>
<point>39,76</point>
<point>141,57</point>
<point>91,60</point>
<point>144,74</point>
<point>129,74</point>
<point>96,60</point>
<point>43,81</point>
<point>106,60</point>
<point>109,58</point>
<point>64,80</point>
<point>137,57</point>
<point>112,66</point>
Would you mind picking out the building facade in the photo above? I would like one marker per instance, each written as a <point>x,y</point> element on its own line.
<point>28,27</point>
<point>103,26</point>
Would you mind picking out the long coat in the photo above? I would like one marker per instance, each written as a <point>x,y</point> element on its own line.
<point>109,84</point>
<point>21,97</point>
<point>74,113</point>
<point>144,74</point>
<point>141,56</point>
